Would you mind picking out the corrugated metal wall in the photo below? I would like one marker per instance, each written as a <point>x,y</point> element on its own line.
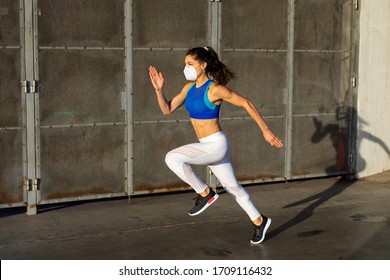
<point>162,42</point>
<point>254,42</point>
<point>12,126</point>
<point>94,128</point>
<point>82,97</point>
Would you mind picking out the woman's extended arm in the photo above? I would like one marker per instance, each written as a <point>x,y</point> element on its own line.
<point>223,93</point>
<point>167,107</point>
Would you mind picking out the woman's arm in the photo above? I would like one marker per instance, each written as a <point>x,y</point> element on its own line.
<point>167,107</point>
<point>223,93</point>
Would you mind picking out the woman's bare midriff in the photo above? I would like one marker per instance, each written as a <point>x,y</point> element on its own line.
<point>204,128</point>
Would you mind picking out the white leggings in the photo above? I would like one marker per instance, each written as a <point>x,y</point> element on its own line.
<point>213,151</point>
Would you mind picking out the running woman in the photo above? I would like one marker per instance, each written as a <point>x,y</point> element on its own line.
<point>202,98</point>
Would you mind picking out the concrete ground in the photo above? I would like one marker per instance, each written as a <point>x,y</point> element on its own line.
<point>320,219</point>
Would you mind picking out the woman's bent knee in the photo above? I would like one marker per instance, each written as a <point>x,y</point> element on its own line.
<point>173,160</point>
<point>169,159</point>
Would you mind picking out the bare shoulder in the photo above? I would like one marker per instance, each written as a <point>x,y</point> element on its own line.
<point>219,91</point>
<point>187,87</point>
<point>179,99</point>
<point>184,90</point>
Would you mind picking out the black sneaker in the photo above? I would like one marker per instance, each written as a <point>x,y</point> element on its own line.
<point>260,231</point>
<point>201,203</point>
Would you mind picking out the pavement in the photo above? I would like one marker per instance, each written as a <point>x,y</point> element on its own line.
<point>316,219</point>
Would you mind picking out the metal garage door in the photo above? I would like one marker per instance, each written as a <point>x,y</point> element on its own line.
<point>87,125</point>
<point>294,60</point>
<point>12,105</point>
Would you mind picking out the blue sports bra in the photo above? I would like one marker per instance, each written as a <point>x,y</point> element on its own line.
<point>198,104</point>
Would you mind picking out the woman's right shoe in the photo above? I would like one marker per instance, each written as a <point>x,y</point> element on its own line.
<point>201,203</point>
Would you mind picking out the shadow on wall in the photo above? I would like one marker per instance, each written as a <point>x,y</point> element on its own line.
<point>339,135</point>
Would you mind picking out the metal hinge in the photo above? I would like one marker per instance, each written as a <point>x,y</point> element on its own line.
<point>31,185</point>
<point>356,4</point>
<point>28,184</point>
<point>30,87</point>
<point>353,82</point>
<point>34,87</point>
<point>37,184</point>
<point>26,86</point>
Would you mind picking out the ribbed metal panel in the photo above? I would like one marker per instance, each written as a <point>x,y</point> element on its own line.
<point>94,128</point>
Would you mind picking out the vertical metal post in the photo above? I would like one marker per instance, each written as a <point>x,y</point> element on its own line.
<point>215,26</point>
<point>352,112</point>
<point>30,106</point>
<point>23,96</point>
<point>36,100</point>
<point>290,89</point>
<point>129,94</point>
<point>216,16</point>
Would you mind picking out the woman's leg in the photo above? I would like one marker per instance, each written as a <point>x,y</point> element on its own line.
<point>179,160</point>
<point>225,174</point>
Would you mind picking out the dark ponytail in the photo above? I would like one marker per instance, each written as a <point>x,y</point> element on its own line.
<point>215,68</point>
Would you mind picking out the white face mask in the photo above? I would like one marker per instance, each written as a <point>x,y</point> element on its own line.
<point>190,73</point>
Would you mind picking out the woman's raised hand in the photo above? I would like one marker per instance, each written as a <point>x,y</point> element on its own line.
<point>156,78</point>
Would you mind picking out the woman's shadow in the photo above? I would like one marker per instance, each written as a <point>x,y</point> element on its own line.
<point>337,135</point>
<point>317,200</point>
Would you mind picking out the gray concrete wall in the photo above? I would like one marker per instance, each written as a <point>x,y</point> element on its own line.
<point>373,135</point>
